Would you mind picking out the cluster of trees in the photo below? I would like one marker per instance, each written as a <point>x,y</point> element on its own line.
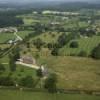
<point>38,43</point>
<point>51,83</point>
<point>74,44</point>
<point>6,21</point>
<point>39,28</point>
<point>95,53</point>
<point>87,32</point>
<point>8,18</point>
<point>63,39</point>
<point>27,81</point>
<point>6,81</point>
<point>13,57</point>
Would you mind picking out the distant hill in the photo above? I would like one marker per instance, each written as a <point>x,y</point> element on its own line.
<point>53,5</point>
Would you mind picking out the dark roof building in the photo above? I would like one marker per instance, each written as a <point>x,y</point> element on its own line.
<point>28,60</point>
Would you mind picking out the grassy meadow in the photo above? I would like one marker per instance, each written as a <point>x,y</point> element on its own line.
<point>74,72</point>
<point>26,95</point>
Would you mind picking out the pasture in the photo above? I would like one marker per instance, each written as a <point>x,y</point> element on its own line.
<point>27,95</point>
<point>74,72</point>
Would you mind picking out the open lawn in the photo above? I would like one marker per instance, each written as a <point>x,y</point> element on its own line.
<point>74,72</point>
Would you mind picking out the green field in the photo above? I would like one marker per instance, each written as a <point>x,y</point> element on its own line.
<point>26,95</point>
<point>48,37</point>
<point>5,37</point>
<point>29,21</point>
<point>85,44</point>
<point>21,71</point>
<point>23,33</point>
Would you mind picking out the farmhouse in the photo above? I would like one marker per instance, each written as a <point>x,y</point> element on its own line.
<point>55,23</point>
<point>27,60</point>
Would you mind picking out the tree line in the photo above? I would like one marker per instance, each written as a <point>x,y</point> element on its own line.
<point>8,18</point>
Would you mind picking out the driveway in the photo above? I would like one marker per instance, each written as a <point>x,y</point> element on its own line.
<point>28,65</point>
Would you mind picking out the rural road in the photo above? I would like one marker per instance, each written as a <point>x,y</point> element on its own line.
<point>28,65</point>
<point>18,37</point>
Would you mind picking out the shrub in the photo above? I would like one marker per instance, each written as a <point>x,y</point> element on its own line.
<point>54,52</point>
<point>50,46</point>
<point>39,73</point>
<point>96,52</point>
<point>82,54</point>
<point>38,43</point>
<point>2,68</point>
<point>27,82</point>
<point>50,83</point>
<point>6,81</point>
<point>74,44</point>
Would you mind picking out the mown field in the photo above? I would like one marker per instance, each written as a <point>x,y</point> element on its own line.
<point>26,95</point>
<point>74,72</point>
<point>85,44</point>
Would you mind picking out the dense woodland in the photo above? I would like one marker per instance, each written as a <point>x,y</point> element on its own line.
<point>8,18</point>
